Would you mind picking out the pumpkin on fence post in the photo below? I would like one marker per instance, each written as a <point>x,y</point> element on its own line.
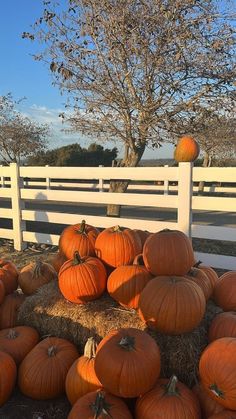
<point>187,149</point>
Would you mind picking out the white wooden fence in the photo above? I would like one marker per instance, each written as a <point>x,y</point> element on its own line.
<point>80,185</point>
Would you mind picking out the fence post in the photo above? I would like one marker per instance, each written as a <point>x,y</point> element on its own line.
<point>166,184</point>
<point>47,180</point>
<point>185,191</point>
<point>100,182</point>
<point>17,205</point>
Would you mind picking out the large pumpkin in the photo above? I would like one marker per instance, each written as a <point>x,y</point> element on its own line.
<point>225,291</point>
<point>81,378</point>
<point>208,405</point>
<point>126,283</point>
<point>202,280</point>
<point>127,362</point>
<point>217,370</point>
<point>99,405</point>
<point>187,149</point>
<point>42,373</point>
<point>8,373</point>
<point>82,279</point>
<point>172,304</point>
<point>116,246</point>
<point>168,252</point>
<point>78,238</point>
<point>223,325</point>
<point>35,275</point>
<point>9,309</point>
<point>2,292</point>
<point>8,275</point>
<point>18,341</point>
<point>168,399</point>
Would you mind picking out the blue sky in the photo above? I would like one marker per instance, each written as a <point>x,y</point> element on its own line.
<point>24,77</point>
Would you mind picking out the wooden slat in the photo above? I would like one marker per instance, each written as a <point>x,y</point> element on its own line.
<point>5,193</point>
<point>148,200</point>
<point>5,171</point>
<point>217,174</point>
<point>214,232</point>
<point>217,261</point>
<point>29,236</point>
<point>6,233</point>
<point>213,203</point>
<point>6,213</point>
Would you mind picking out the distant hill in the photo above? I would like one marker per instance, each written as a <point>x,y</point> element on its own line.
<point>156,162</point>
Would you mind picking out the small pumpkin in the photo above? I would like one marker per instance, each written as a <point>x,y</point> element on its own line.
<point>225,291</point>
<point>78,238</point>
<point>18,341</point>
<point>2,292</point>
<point>8,275</point>
<point>35,275</point>
<point>57,261</point>
<point>172,304</point>
<point>210,272</point>
<point>168,399</point>
<point>143,234</point>
<point>127,362</point>
<point>187,149</point>
<point>168,252</point>
<point>202,280</point>
<point>223,325</point>
<point>100,405</point>
<point>42,373</point>
<point>126,283</point>
<point>9,309</point>
<point>82,279</point>
<point>7,376</point>
<point>208,405</point>
<point>81,378</point>
<point>116,246</point>
<point>217,370</point>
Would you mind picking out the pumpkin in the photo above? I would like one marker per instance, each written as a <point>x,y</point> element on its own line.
<point>81,378</point>
<point>127,362</point>
<point>225,291</point>
<point>187,149</point>
<point>210,273</point>
<point>78,238</point>
<point>8,275</point>
<point>57,261</point>
<point>201,279</point>
<point>9,309</point>
<point>168,252</point>
<point>208,405</point>
<point>143,234</point>
<point>42,373</point>
<point>172,305</point>
<point>100,405</point>
<point>18,341</point>
<point>223,325</point>
<point>217,370</point>
<point>8,373</point>
<point>2,291</point>
<point>35,275</point>
<point>168,399</point>
<point>82,279</point>
<point>224,414</point>
<point>116,246</point>
<point>125,283</point>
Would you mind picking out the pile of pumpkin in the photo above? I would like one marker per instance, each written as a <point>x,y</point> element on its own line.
<point>152,273</point>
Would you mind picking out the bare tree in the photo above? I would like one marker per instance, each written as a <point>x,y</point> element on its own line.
<point>19,136</point>
<point>129,66</point>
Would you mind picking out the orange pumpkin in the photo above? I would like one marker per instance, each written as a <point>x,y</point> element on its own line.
<point>224,414</point>
<point>202,280</point>
<point>143,234</point>
<point>57,261</point>
<point>127,362</point>
<point>225,291</point>
<point>42,373</point>
<point>7,376</point>
<point>223,325</point>
<point>217,370</point>
<point>187,149</point>
<point>9,309</point>
<point>208,405</point>
<point>100,405</point>
<point>18,341</point>
<point>116,246</point>
<point>8,275</point>
<point>210,272</point>
<point>81,378</point>
<point>78,238</point>
<point>168,399</point>
<point>168,252</point>
<point>82,279</point>
<point>35,275</point>
<point>2,291</point>
<point>126,283</point>
<point>172,305</point>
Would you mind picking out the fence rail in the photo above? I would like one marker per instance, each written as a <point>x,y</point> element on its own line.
<point>89,185</point>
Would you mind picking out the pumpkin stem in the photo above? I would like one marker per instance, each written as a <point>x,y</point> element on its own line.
<point>100,406</point>
<point>77,259</point>
<point>165,230</point>
<point>127,343</point>
<point>52,351</point>
<point>90,348</point>
<point>82,227</point>
<point>197,264</point>
<point>171,389</point>
<point>217,391</point>
<point>192,272</point>
<point>37,268</point>
<point>12,334</point>
<point>138,260</point>
<point>117,229</point>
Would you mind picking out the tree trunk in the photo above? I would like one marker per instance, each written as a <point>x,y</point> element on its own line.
<point>206,163</point>
<point>131,159</point>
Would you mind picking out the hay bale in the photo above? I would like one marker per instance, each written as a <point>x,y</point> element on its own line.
<point>51,314</point>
